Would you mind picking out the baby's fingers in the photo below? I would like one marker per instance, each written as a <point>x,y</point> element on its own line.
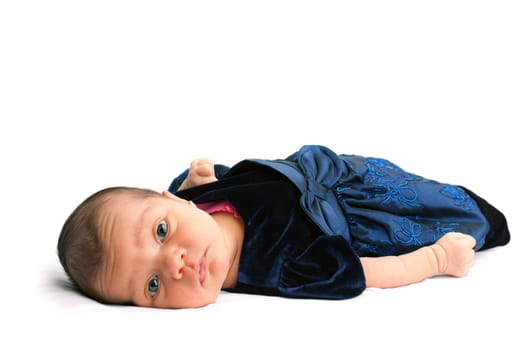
<point>202,167</point>
<point>466,240</point>
<point>471,241</point>
<point>459,253</point>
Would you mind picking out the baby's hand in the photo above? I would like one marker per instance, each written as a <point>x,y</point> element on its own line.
<point>201,172</point>
<point>459,253</point>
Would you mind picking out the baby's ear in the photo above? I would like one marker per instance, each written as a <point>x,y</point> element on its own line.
<point>168,194</point>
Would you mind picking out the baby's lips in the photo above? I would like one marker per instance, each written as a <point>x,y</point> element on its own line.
<point>202,269</point>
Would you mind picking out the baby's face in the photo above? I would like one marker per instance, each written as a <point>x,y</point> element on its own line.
<point>161,252</point>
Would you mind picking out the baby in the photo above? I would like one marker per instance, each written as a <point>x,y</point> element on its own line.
<point>315,225</point>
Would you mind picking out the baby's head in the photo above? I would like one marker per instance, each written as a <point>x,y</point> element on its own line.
<point>80,249</point>
<point>136,246</point>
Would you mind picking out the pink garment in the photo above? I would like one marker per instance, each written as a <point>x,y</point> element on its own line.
<point>214,207</point>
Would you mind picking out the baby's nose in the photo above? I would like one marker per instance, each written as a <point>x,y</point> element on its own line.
<point>173,261</point>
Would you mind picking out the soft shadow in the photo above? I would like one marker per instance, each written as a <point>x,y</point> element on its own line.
<point>58,281</point>
<point>62,283</point>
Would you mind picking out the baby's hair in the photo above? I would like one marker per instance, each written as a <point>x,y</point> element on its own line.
<point>80,249</point>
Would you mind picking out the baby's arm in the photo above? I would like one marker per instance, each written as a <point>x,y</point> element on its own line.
<point>453,254</point>
<point>201,172</point>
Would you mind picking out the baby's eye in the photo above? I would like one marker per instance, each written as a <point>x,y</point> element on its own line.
<point>162,230</point>
<point>153,286</point>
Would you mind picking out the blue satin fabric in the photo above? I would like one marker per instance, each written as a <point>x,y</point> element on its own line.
<point>308,218</point>
<point>379,207</point>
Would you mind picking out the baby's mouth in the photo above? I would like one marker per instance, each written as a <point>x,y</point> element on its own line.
<point>202,268</point>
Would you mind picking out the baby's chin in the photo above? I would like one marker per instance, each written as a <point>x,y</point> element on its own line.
<point>196,305</point>
<point>200,302</point>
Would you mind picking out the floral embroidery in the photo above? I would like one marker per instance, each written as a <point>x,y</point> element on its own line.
<point>393,183</point>
<point>441,229</point>
<point>402,193</point>
<point>460,197</point>
<point>390,211</point>
<point>409,232</point>
<point>382,169</point>
<point>376,167</point>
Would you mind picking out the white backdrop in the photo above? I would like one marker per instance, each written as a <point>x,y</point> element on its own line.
<point>102,93</point>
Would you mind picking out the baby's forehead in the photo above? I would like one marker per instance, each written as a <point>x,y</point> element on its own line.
<point>124,209</point>
<point>120,201</point>
<point>116,210</point>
